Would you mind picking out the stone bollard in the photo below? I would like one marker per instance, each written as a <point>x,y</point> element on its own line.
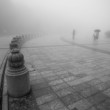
<point>17,75</point>
<point>13,45</point>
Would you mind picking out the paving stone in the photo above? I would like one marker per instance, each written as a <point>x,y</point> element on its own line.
<point>44,107</point>
<point>69,78</point>
<point>30,67</point>
<point>105,78</point>
<point>55,82</point>
<point>101,86</point>
<point>97,67</point>
<point>63,108</point>
<point>67,66</point>
<point>37,81</point>
<point>79,81</point>
<point>107,83</point>
<point>39,86</point>
<point>71,98</point>
<point>89,91</point>
<point>81,86</point>
<point>74,82</point>
<point>60,86</point>
<point>92,108</point>
<point>61,72</point>
<point>76,96</point>
<point>68,99</point>
<point>97,98</point>
<point>64,92</point>
<point>103,106</point>
<point>106,104</point>
<point>64,75</point>
<point>73,71</point>
<point>81,75</point>
<point>100,107</point>
<point>53,105</point>
<point>94,82</point>
<point>34,74</point>
<point>47,73</point>
<point>87,78</point>
<point>107,92</point>
<point>43,91</point>
<point>74,108</point>
<point>51,78</point>
<point>80,105</point>
<point>108,71</point>
<point>45,98</point>
<point>35,77</point>
<point>43,69</point>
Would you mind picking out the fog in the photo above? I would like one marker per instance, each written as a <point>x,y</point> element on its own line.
<point>54,16</point>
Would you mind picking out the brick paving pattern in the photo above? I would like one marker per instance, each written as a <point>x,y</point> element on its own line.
<point>69,77</point>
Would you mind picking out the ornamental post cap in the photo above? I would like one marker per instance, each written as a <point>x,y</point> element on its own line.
<point>15,50</point>
<point>15,58</point>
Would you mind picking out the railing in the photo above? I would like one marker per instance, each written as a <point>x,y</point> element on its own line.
<point>16,42</point>
<point>2,68</point>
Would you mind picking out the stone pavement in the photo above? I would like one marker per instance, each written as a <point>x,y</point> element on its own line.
<point>66,77</point>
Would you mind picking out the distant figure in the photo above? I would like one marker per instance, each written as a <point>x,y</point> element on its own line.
<point>96,34</point>
<point>74,32</point>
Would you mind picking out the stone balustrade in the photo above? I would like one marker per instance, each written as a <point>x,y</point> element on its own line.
<point>17,75</point>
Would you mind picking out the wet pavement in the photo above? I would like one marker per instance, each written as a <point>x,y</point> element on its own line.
<point>66,76</point>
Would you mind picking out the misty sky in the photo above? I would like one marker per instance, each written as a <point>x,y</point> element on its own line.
<point>53,16</point>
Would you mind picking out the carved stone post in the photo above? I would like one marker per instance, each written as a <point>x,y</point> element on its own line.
<point>17,75</point>
<point>13,45</point>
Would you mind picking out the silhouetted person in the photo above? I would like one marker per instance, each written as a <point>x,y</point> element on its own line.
<point>96,34</point>
<point>74,32</point>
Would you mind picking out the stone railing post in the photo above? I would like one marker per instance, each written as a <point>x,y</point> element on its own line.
<point>13,45</point>
<point>17,75</point>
